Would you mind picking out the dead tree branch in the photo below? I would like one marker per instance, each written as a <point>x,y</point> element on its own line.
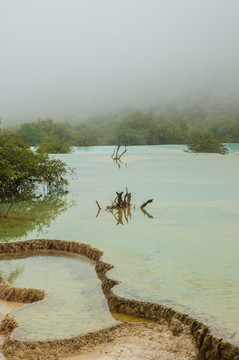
<point>115,155</point>
<point>99,208</point>
<point>125,149</point>
<point>121,201</point>
<point>146,203</point>
<point>98,204</point>
<point>121,207</point>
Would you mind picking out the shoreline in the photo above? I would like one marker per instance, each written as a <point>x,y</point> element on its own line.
<point>135,339</point>
<point>6,307</point>
<point>208,346</point>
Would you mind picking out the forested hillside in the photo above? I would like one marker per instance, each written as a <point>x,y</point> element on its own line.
<point>172,123</point>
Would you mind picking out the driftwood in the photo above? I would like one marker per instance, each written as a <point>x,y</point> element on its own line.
<point>120,207</point>
<point>121,201</point>
<point>146,203</point>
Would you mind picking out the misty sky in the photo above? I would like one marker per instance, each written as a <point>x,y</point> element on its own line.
<point>64,58</point>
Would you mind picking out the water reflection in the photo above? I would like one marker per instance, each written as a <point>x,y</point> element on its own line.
<point>11,272</point>
<point>121,215</point>
<point>34,214</point>
<point>119,162</point>
<point>147,214</point>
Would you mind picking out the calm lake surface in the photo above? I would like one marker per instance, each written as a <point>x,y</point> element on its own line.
<point>183,252</point>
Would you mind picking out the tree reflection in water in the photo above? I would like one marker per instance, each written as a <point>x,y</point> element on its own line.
<point>11,273</point>
<point>34,214</point>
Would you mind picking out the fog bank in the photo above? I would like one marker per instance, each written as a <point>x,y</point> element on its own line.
<point>67,58</point>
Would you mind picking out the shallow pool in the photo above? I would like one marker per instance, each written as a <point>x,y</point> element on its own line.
<point>75,303</point>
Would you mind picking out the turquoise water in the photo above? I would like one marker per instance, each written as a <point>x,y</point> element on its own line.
<point>184,253</point>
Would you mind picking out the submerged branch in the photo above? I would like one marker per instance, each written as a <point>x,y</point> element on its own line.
<point>99,208</point>
<point>115,155</point>
<point>146,203</point>
<point>98,204</point>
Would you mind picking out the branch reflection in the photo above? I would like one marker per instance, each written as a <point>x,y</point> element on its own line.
<point>122,215</point>
<point>147,214</point>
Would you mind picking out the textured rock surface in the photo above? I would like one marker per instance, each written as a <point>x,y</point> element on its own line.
<point>209,347</point>
<point>11,293</point>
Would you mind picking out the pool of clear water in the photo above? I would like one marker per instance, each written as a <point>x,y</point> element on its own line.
<point>184,251</point>
<point>74,305</point>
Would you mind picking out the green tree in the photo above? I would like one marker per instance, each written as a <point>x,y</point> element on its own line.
<point>204,142</point>
<point>56,137</point>
<point>23,171</point>
<point>167,131</point>
<point>56,146</point>
<point>135,129</point>
<point>30,133</point>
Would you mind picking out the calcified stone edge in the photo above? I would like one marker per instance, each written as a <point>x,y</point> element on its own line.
<point>11,293</point>
<point>210,347</point>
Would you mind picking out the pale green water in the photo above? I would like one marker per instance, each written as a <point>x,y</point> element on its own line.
<point>75,303</point>
<point>186,256</point>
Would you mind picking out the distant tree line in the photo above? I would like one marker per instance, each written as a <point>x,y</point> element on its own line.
<point>135,128</point>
